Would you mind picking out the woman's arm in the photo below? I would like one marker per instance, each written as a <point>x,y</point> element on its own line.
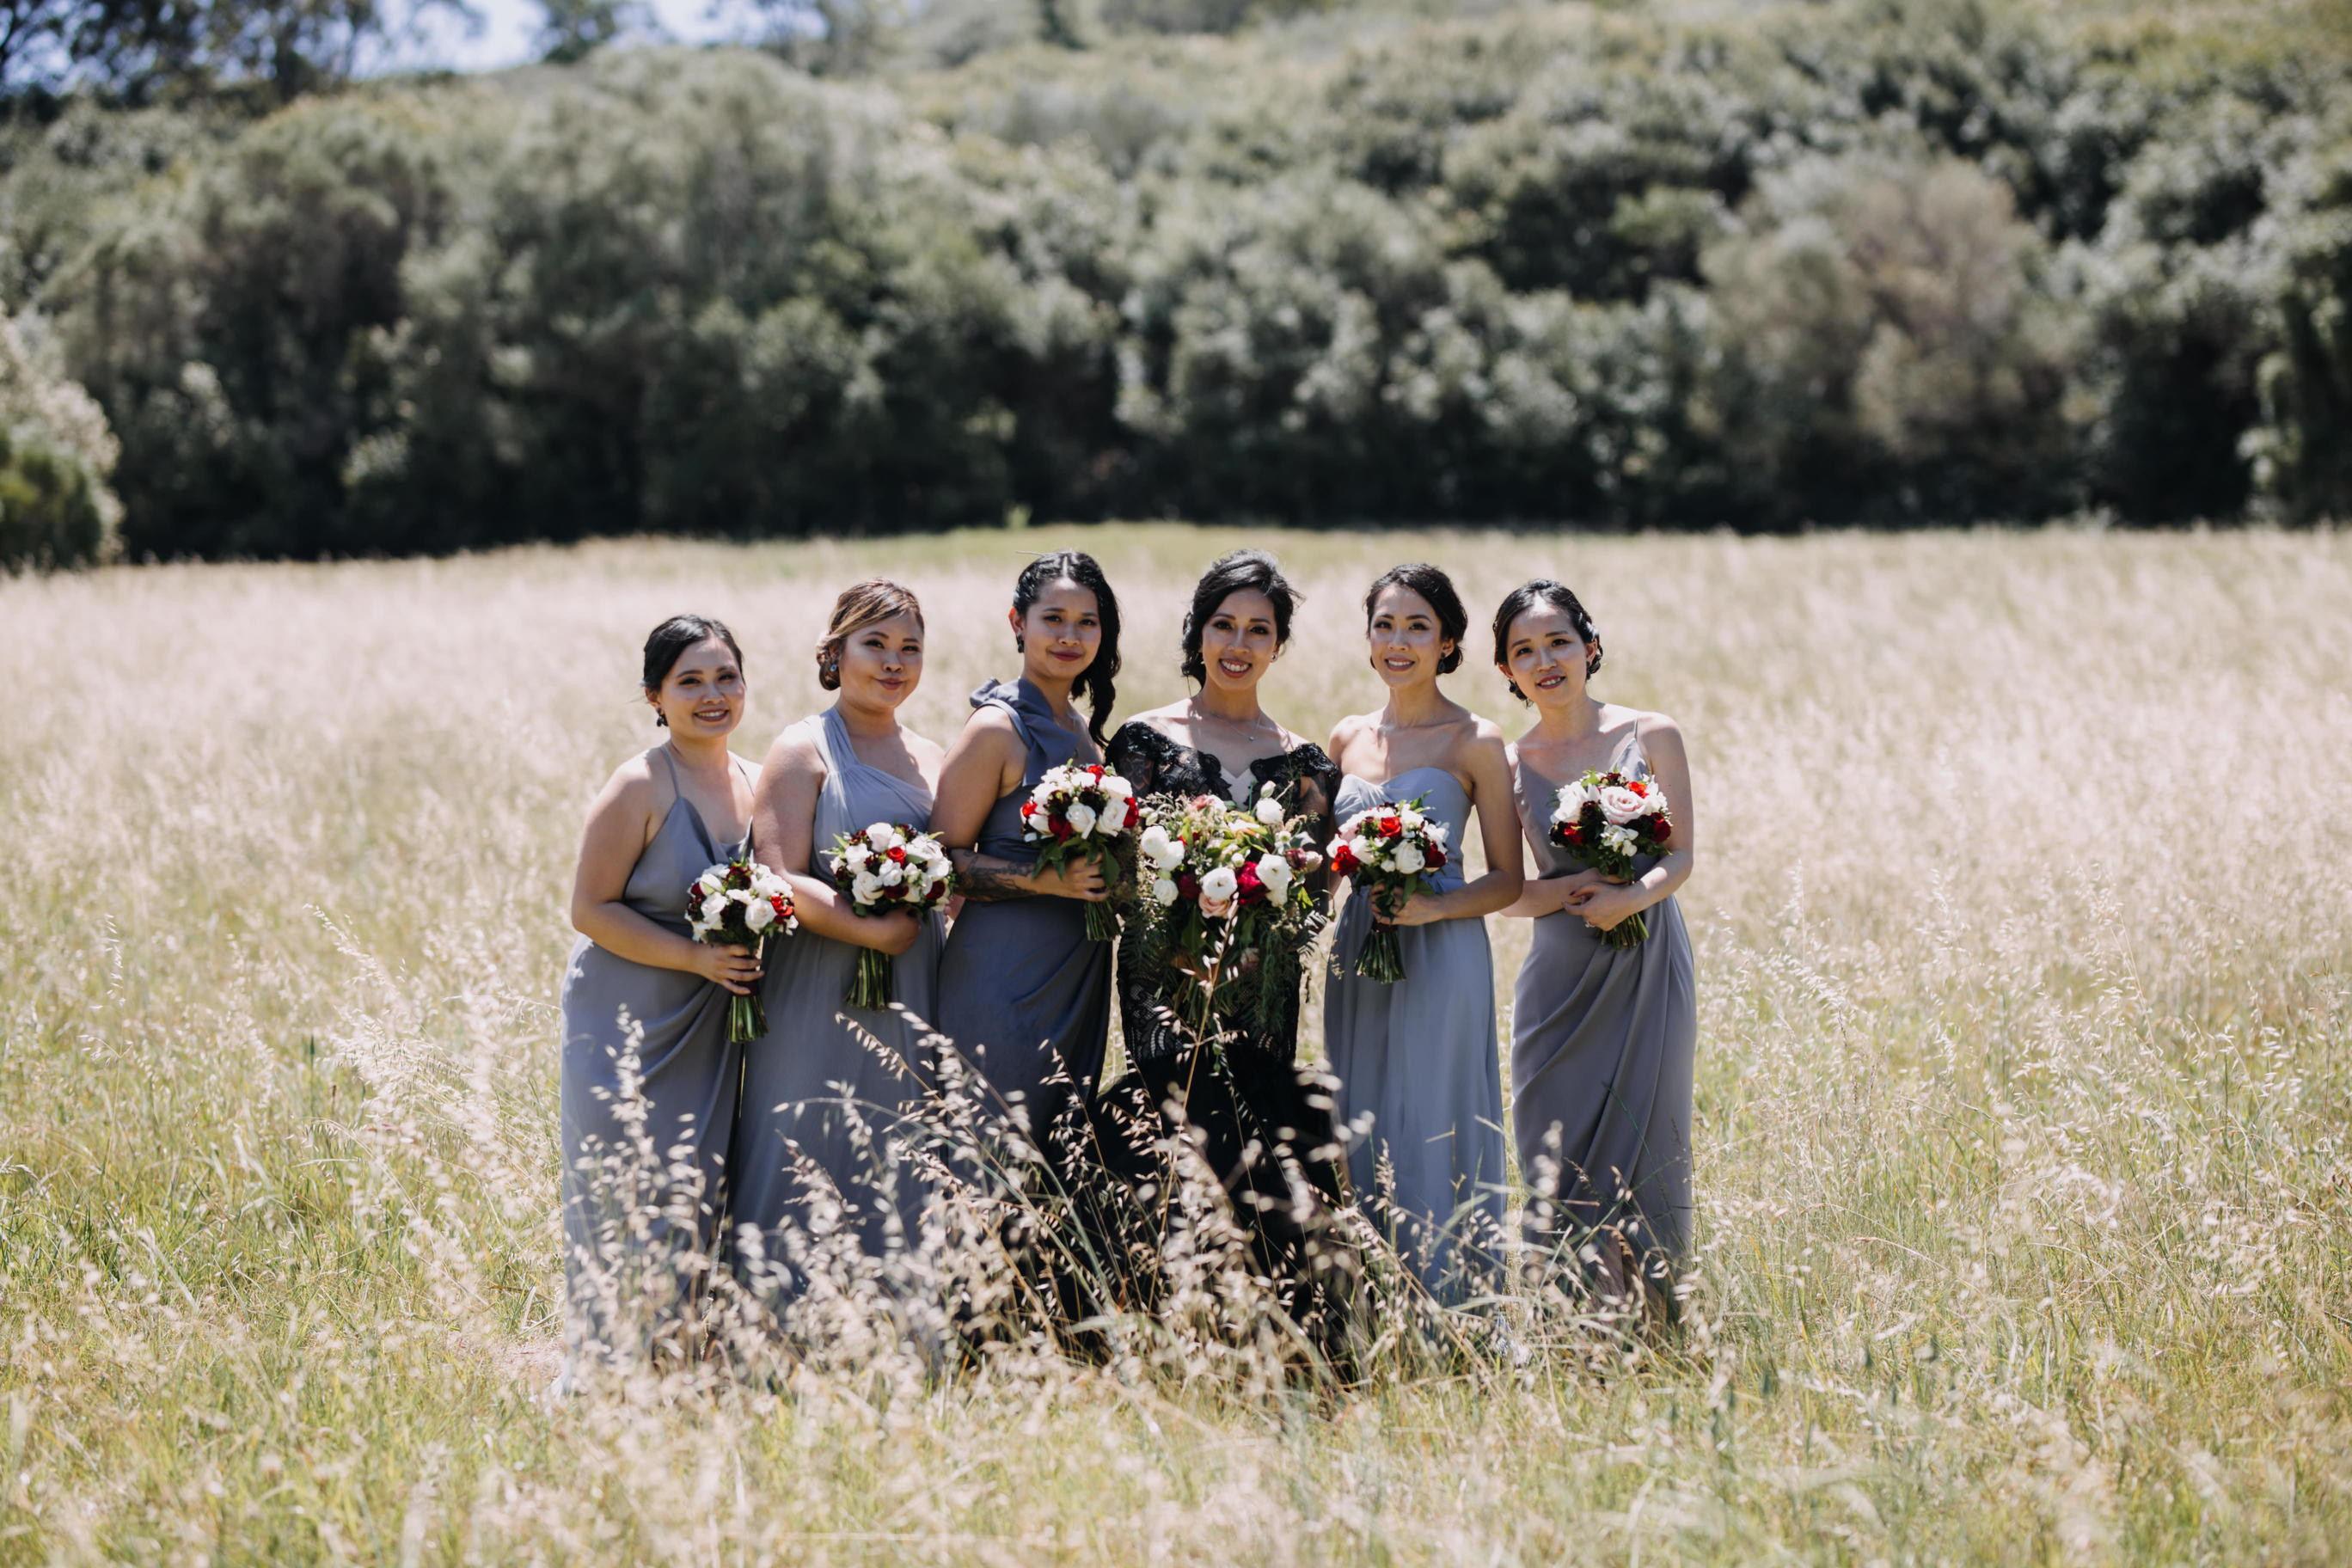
<point>783,825</point>
<point>1605,903</point>
<point>981,768</point>
<point>619,823</point>
<point>1483,758</point>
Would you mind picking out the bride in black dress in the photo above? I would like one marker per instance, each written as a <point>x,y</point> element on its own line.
<point>1261,1122</point>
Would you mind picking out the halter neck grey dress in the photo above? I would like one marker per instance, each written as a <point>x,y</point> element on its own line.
<point>1602,1045</point>
<point>1418,1059</point>
<point>812,1076</point>
<point>660,1189</point>
<point>1021,986</point>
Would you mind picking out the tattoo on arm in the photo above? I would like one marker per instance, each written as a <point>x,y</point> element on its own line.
<point>984,878</point>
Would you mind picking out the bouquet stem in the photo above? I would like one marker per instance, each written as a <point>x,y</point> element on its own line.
<point>1382,958</point>
<point>1102,921</point>
<point>747,1016</point>
<point>872,982</point>
<point>1631,932</point>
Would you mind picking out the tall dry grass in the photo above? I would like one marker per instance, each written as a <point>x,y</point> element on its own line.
<point>2025,1215</point>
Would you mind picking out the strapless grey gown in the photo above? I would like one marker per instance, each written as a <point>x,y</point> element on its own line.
<point>1602,1040</point>
<point>812,1076</point>
<point>1417,1059</point>
<point>1021,985</point>
<point>673,1180</point>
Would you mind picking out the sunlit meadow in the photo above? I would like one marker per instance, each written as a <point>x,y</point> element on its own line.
<point>2024,1101</point>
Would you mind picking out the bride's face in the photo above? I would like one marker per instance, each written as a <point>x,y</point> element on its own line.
<point>882,664</point>
<point>1406,646</point>
<point>1237,644</point>
<point>703,696</point>
<point>1544,657</point>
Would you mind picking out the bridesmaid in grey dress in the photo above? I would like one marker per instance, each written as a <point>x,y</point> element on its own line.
<point>1024,993</point>
<point>1602,1036</point>
<point>816,1084</point>
<point>645,1010</point>
<point>1421,1088</point>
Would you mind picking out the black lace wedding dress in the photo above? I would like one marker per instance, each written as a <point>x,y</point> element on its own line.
<point>1262,1124</point>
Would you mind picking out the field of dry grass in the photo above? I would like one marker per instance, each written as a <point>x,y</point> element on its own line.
<point>2025,1185</point>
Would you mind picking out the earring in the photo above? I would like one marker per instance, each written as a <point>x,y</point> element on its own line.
<point>830,669</point>
<point>1020,643</point>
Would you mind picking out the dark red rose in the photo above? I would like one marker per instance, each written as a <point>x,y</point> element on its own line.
<point>1661,829</point>
<point>1188,886</point>
<point>1391,825</point>
<point>1061,832</point>
<point>1437,859</point>
<point>1343,861</point>
<point>1247,887</point>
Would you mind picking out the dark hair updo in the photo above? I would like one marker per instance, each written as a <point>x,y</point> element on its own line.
<point>1525,597</point>
<point>861,604</point>
<point>1437,588</point>
<point>672,638</point>
<point>1095,683</point>
<point>1243,572</point>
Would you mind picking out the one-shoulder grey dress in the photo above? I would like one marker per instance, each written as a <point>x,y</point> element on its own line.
<point>649,1195</point>
<point>1021,985</point>
<point>1602,1045</point>
<point>1417,1059</point>
<point>812,1079</point>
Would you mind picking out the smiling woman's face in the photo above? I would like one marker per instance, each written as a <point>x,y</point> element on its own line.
<point>1405,642</point>
<point>1238,642</point>
<point>882,663</point>
<point>1062,632</point>
<point>703,696</point>
<point>1544,657</point>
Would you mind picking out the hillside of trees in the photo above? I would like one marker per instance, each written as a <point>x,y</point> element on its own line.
<point>1875,261</point>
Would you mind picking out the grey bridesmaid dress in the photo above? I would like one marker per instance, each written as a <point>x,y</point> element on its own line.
<point>1417,1059</point>
<point>662,1188</point>
<point>1602,1040</point>
<point>812,1077</point>
<point>1022,988</point>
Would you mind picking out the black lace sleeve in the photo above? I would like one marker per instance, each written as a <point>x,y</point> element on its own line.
<point>1151,763</point>
<point>1309,784</point>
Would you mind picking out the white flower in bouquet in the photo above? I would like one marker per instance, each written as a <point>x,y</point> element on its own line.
<point>890,874</point>
<point>866,890</point>
<point>1620,805</point>
<point>1081,819</point>
<point>1654,803</point>
<point>1163,851</point>
<point>1621,839</point>
<point>1217,890</point>
<point>856,855</point>
<point>1276,873</point>
<point>1117,787</point>
<point>1410,819</point>
<point>1360,847</point>
<point>1409,860</point>
<point>1269,811</point>
<point>1163,892</point>
<point>759,916</point>
<point>883,836</point>
<point>1573,798</point>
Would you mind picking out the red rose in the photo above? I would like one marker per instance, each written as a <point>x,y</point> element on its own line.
<point>1028,808</point>
<point>1188,886</point>
<point>1391,825</point>
<point>1573,834</point>
<point>1436,858</point>
<point>1246,884</point>
<point>1661,829</point>
<point>783,906</point>
<point>1061,832</point>
<point>1343,861</point>
<point>899,856</point>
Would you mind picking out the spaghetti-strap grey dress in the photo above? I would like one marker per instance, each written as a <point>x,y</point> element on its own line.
<point>1416,1060</point>
<point>1603,1042</point>
<point>641,1202</point>
<point>1022,987</point>
<point>812,1083</point>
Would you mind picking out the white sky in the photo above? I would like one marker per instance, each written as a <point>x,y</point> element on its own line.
<point>507,27</point>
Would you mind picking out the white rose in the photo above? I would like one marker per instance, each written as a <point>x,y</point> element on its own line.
<point>1081,819</point>
<point>1410,820</point>
<point>1275,872</point>
<point>1117,787</point>
<point>1160,849</point>
<point>1570,803</point>
<point>759,917</point>
<point>864,890</point>
<point>1654,803</point>
<point>1618,804</point>
<point>890,875</point>
<point>1269,811</point>
<point>856,856</point>
<point>1163,892</point>
<point>1219,886</point>
<point>879,834</point>
<point>1409,860</point>
<point>1435,832</point>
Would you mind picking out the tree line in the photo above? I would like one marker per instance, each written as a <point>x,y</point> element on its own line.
<point>1869,261</point>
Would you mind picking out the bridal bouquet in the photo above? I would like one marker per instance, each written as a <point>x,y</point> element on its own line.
<point>1230,880</point>
<point>1604,821</point>
<point>888,867</point>
<point>1390,850</point>
<point>742,904</point>
<point>1080,810</point>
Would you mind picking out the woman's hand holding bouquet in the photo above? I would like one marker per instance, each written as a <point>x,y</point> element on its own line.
<point>1389,852</point>
<point>1079,811</point>
<point>742,903</point>
<point>1606,821</point>
<point>889,869</point>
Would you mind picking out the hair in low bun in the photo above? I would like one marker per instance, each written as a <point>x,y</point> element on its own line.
<point>672,638</point>
<point>1437,589</point>
<point>1245,571</point>
<point>1525,597</point>
<point>861,604</point>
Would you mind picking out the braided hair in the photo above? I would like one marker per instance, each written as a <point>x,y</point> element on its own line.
<point>1095,683</point>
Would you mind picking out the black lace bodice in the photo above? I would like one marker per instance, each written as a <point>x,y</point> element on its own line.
<point>1306,781</point>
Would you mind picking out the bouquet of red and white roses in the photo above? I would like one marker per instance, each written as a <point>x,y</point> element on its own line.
<point>1605,821</point>
<point>1231,882</point>
<point>1080,810</point>
<point>1388,851</point>
<point>888,867</point>
<point>742,903</point>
